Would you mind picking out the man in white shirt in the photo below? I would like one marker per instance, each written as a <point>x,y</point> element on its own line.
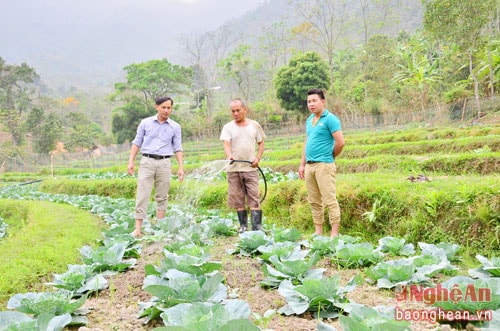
<point>240,138</point>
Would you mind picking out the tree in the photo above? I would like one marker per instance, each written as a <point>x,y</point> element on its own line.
<point>305,71</point>
<point>374,15</point>
<point>15,97</point>
<point>145,83</point>
<point>349,80</point>
<point>273,42</point>
<point>15,88</point>
<point>241,67</point>
<point>379,65</point>
<point>488,67</point>
<point>326,23</point>
<point>419,71</point>
<point>461,22</point>
<point>127,118</point>
<point>205,51</point>
<point>81,132</point>
<point>155,78</point>
<point>46,130</point>
<point>13,123</point>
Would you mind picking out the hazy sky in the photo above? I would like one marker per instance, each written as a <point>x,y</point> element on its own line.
<point>128,31</point>
<point>62,21</point>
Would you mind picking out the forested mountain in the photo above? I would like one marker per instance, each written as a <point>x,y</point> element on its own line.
<point>382,17</point>
<point>93,55</point>
<point>372,57</point>
<point>86,43</point>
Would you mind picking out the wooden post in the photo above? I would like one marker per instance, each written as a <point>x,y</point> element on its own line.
<point>52,165</point>
<point>463,109</point>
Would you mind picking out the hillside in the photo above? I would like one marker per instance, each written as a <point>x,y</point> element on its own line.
<point>88,51</point>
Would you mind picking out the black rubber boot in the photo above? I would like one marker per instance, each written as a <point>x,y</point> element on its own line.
<point>256,220</point>
<point>243,218</point>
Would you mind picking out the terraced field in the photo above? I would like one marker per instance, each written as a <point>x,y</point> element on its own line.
<point>458,202</point>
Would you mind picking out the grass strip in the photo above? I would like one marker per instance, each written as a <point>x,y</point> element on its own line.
<point>48,239</point>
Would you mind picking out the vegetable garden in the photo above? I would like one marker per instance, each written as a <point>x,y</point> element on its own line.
<point>194,272</point>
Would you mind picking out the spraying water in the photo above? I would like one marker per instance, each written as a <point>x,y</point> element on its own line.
<point>212,170</point>
<point>201,178</point>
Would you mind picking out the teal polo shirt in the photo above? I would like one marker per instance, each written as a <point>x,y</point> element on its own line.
<point>319,144</point>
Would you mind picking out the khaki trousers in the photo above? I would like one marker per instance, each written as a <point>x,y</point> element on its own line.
<point>152,172</point>
<point>321,192</point>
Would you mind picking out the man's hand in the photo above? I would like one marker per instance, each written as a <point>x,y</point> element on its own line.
<point>180,174</point>
<point>302,172</point>
<point>255,162</point>
<point>130,168</point>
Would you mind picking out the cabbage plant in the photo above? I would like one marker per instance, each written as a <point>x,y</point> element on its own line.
<point>432,260</point>
<point>177,287</point>
<point>284,234</point>
<point>326,246</point>
<point>16,321</point>
<point>391,273</point>
<point>132,249</point>
<point>395,246</point>
<point>186,247</point>
<point>249,243</point>
<point>50,304</point>
<point>362,318</point>
<point>187,263</point>
<point>295,267</point>
<point>107,258</point>
<point>412,270</point>
<point>206,316</point>
<point>3,228</point>
<point>220,226</point>
<point>324,297</point>
<point>451,250</point>
<point>489,267</point>
<point>469,294</point>
<point>79,279</point>
<point>277,248</point>
<point>356,255</point>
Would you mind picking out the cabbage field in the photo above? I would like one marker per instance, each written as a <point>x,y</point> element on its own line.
<point>412,255</point>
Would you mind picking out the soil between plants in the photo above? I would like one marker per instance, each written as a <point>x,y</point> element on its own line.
<point>117,308</point>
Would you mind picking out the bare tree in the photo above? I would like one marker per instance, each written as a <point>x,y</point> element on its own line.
<point>374,14</point>
<point>327,19</point>
<point>274,44</point>
<point>205,51</point>
<point>465,23</point>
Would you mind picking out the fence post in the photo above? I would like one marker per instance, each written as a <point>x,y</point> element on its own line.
<point>52,164</point>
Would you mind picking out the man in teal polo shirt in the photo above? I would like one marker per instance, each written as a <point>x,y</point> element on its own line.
<point>324,142</point>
